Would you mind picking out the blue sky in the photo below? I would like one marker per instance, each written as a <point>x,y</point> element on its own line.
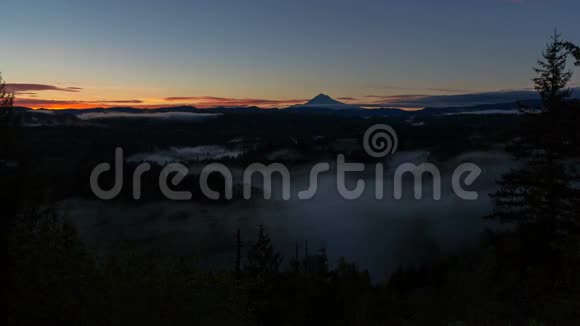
<point>284,52</point>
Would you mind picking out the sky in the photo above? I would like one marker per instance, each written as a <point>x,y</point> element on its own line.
<point>78,54</point>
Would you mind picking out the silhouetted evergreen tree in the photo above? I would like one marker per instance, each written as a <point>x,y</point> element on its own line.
<point>10,176</point>
<point>6,97</point>
<point>262,271</point>
<point>552,74</point>
<point>574,50</point>
<point>238,266</point>
<point>262,259</point>
<point>6,102</point>
<point>541,198</point>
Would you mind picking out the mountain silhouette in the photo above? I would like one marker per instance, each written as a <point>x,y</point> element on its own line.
<point>324,102</point>
<point>323,99</point>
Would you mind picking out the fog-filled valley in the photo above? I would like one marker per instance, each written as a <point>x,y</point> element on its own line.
<point>101,191</point>
<point>378,234</point>
<point>290,163</point>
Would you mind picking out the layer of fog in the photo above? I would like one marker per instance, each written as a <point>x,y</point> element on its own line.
<point>179,154</point>
<point>154,115</point>
<point>379,235</point>
<point>484,112</point>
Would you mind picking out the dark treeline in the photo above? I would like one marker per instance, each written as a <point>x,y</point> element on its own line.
<point>53,277</point>
<point>526,274</point>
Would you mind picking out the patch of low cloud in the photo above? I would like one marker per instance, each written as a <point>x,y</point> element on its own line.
<point>121,101</point>
<point>471,99</point>
<point>347,99</point>
<point>69,104</point>
<point>157,115</point>
<point>428,89</point>
<point>485,112</point>
<point>40,87</point>
<point>49,112</point>
<point>180,154</point>
<point>213,101</point>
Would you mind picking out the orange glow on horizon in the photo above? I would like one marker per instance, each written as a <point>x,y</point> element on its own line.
<point>201,103</point>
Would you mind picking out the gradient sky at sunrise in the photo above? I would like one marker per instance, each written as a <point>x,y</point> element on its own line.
<point>271,53</point>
